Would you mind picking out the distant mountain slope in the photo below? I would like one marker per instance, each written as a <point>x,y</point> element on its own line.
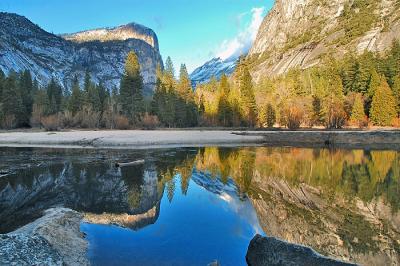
<point>213,68</point>
<point>24,45</point>
<point>297,33</point>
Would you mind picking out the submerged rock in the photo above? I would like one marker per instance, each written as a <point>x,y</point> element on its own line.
<point>271,251</point>
<point>54,239</point>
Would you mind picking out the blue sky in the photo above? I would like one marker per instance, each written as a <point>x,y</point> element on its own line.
<point>191,32</point>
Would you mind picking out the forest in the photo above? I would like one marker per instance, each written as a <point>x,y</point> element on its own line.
<point>355,91</point>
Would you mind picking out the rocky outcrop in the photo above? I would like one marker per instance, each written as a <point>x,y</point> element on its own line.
<point>54,239</point>
<point>264,251</point>
<point>24,45</point>
<point>297,33</point>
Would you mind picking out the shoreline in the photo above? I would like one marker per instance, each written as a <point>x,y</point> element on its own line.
<point>144,139</point>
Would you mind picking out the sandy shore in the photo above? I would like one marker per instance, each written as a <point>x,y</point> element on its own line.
<point>127,139</point>
<point>193,138</point>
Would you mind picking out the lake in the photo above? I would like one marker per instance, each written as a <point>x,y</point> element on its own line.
<point>193,206</point>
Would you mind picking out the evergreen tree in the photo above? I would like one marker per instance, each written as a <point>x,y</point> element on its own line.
<point>41,105</point>
<point>357,112</point>
<point>396,93</point>
<point>374,82</point>
<point>270,115</point>
<point>12,106</point>
<point>131,90</point>
<point>383,107</point>
<point>93,98</point>
<point>104,94</point>
<point>317,114</point>
<point>87,82</point>
<point>224,108</point>
<point>54,93</point>
<point>26,92</point>
<point>2,77</point>
<point>76,100</point>
<point>169,74</point>
<point>247,98</point>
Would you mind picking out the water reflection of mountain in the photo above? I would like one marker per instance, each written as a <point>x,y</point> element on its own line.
<point>342,203</point>
<point>94,186</point>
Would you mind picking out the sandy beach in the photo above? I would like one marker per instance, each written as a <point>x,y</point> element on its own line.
<point>193,138</point>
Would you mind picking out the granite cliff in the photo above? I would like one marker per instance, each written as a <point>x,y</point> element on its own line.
<point>298,33</point>
<point>24,45</point>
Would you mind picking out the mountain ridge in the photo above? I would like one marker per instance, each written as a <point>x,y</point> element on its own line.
<point>26,46</point>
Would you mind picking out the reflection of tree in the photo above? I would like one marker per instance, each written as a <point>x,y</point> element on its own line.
<point>349,173</point>
<point>133,178</point>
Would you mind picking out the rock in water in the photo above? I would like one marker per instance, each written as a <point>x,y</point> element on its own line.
<point>264,251</point>
<point>54,239</point>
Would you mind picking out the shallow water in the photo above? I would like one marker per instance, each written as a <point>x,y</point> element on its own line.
<point>191,206</point>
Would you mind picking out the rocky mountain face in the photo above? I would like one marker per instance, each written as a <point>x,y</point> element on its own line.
<point>213,68</point>
<point>24,45</point>
<point>298,33</point>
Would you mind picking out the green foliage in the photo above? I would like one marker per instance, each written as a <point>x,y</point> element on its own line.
<point>76,100</point>
<point>225,112</point>
<point>357,113</point>
<point>131,90</point>
<point>270,115</point>
<point>396,92</point>
<point>173,101</point>
<point>12,106</point>
<point>357,18</point>
<point>55,95</point>
<point>247,99</point>
<point>383,107</point>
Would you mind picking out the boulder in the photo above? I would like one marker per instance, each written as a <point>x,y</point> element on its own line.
<point>54,239</point>
<point>264,251</point>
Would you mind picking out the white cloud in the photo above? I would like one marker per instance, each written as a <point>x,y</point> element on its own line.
<point>241,44</point>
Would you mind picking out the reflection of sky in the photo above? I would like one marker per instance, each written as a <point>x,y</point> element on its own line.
<point>195,229</point>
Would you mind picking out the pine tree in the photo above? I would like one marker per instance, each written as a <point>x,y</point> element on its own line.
<point>2,81</point>
<point>270,116</point>
<point>224,107</point>
<point>87,82</point>
<point>54,93</point>
<point>12,106</point>
<point>396,93</point>
<point>374,82</point>
<point>41,106</point>
<point>169,74</point>
<point>383,107</point>
<point>104,94</point>
<point>76,100</point>
<point>131,89</point>
<point>26,87</point>
<point>247,98</point>
<point>357,112</point>
<point>93,98</point>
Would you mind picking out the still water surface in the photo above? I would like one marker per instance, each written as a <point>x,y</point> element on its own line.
<point>191,206</point>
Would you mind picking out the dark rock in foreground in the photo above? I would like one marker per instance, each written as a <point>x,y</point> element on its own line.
<point>54,239</point>
<point>264,251</point>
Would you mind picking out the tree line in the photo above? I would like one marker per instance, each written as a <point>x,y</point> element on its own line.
<point>359,90</point>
